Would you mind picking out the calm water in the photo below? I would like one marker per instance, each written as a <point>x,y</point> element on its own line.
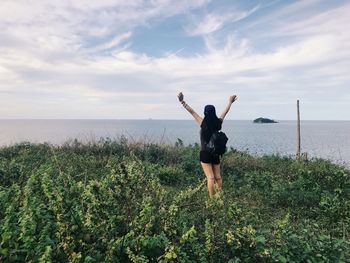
<point>326,139</point>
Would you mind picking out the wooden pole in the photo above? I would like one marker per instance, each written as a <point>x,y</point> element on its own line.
<point>298,131</point>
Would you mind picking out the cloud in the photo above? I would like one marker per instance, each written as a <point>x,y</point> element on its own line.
<point>79,26</point>
<point>66,59</point>
<point>209,24</point>
<point>112,45</point>
<point>212,22</point>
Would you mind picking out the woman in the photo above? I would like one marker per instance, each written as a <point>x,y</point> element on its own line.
<point>210,123</point>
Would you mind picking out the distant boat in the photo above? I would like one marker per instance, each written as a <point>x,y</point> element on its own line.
<point>264,120</point>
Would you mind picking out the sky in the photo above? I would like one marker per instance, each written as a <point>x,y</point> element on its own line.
<point>115,59</point>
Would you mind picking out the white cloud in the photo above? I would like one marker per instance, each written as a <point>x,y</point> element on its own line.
<point>51,58</point>
<point>212,22</point>
<point>112,45</point>
<point>58,26</point>
<point>209,24</point>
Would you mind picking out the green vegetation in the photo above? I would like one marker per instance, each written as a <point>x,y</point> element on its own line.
<point>264,120</point>
<point>116,201</point>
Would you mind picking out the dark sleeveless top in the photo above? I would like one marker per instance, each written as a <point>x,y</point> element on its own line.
<point>204,140</point>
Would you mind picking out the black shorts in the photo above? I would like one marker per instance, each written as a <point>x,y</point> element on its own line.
<point>206,157</point>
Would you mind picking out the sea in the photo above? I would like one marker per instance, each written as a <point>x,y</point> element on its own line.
<point>319,139</point>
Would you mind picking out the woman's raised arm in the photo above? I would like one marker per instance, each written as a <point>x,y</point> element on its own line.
<point>231,100</point>
<point>198,118</point>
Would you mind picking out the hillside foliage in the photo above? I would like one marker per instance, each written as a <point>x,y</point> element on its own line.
<point>121,201</point>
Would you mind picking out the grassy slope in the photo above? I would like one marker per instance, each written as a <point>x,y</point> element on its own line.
<point>116,201</point>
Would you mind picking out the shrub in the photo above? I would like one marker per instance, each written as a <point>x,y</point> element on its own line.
<point>117,201</point>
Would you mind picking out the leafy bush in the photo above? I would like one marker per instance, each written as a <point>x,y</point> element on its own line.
<point>117,201</point>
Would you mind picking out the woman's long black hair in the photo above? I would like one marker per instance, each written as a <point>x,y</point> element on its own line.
<point>211,122</point>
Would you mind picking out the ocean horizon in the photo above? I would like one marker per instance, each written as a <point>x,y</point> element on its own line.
<point>320,139</point>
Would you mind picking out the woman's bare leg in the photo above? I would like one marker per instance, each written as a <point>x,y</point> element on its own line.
<point>208,171</point>
<point>217,175</point>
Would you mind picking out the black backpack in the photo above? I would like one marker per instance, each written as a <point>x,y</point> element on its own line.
<point>217,143</point>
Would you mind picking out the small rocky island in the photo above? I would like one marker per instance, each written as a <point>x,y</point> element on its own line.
<point>264,120</point>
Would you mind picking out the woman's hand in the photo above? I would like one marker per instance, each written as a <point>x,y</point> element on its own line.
<point>180,96</point>
<point>198,118</point>
<point>232,99</point>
